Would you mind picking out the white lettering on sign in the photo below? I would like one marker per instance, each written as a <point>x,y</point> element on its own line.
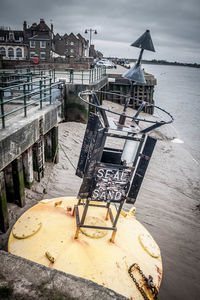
<point>111,184</point>
<point>119,175</point>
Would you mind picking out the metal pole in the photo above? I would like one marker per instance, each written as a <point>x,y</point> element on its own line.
<point>50,90</point>
<point>90,36</point>
<point>84,212</point>
<point>25,108</point>
<point>28,80</point>
<point>2,109</point>
<point>44,88</point>
<point>40,94</point>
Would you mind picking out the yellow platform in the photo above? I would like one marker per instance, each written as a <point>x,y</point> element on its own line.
<point>45,234</point>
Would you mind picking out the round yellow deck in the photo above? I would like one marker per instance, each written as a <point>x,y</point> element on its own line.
<point>49,240</point>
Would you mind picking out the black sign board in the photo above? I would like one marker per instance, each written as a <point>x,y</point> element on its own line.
<point>111,183</point>
<point>145,157</point>
<point>88,144</point>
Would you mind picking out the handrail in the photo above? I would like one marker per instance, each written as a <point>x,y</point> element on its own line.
<point>37,90</point>
<point>84,76</point>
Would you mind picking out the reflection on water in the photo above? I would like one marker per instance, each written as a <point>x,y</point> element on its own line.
<point>177,141</point>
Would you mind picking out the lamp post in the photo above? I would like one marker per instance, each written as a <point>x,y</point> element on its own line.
<point>90,31</point>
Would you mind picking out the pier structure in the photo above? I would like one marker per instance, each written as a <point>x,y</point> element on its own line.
<point>30,103</point>
<point>119,85</point>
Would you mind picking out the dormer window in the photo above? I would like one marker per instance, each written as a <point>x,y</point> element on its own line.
<point>71,43</point>
<point>11,36</point>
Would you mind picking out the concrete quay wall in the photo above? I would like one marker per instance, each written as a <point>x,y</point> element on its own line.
<point>25,145</point>
<point>24,279</point>
<point>74,108</point>
<point>21,133</point>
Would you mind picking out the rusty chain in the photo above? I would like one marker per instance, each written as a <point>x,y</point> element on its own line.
<point>148,282</point>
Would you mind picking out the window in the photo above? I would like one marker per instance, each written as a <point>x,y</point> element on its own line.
<point>32,54</point>
<point>19,52</point>
<point>11,36</point>
<point>72,50</point>
<point>20,38</point>
<point>71,43</point>
<point>32,44</point>
<point>3,51</point>
<point>42,44</point>
<point>66,43</point>
<point>10,52</point>
<point>1,38</point>
<point>43,55</point>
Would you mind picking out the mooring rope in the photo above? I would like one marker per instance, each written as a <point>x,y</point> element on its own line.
<point>67,156</point>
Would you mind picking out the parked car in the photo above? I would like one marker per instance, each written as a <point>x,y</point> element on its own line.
<point>106,63</point>
<point>127,65</point>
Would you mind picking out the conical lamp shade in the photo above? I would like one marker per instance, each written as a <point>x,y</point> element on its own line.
<point>135,74</point>
<point>144,42</point>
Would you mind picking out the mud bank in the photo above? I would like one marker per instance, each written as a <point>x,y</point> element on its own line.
<point>167,204</point>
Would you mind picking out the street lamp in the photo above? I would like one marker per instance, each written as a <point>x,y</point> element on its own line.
<point>90,31</point>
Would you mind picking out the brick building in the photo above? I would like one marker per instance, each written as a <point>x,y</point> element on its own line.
<point>40,39</point>
<point>71,45</point>
<point>13,44</point>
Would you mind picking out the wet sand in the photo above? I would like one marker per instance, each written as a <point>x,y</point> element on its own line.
<point>166,205</point>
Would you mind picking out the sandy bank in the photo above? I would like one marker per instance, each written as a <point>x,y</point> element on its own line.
<point>166,205</point>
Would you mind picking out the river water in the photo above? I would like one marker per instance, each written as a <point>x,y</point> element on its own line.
<point>168,201</point>
<point>167,204</point>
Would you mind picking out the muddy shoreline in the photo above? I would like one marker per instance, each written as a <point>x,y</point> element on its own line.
<point>167,204</point>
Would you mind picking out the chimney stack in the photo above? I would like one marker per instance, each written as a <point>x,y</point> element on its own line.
<point>24,25</point>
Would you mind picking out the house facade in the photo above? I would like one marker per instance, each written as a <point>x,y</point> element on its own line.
<point>13,44</point>
<point>71,45</point>
<point>40,40</point>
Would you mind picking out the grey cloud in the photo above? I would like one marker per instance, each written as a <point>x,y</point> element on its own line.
<point>172,23</point>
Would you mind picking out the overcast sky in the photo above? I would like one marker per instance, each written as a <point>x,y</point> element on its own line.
<point>174,24</point>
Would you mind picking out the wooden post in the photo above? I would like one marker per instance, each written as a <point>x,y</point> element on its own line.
<point>18,179</point>
<point>27,158</point>
<point>8,176</point>
<point>48,146</point>
<point>3,205</point>
<point>38,159</point>
<point>55,156</point>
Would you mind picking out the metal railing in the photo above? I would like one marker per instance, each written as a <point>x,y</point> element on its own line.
<point>24,93</point>
<point>81,76</point>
